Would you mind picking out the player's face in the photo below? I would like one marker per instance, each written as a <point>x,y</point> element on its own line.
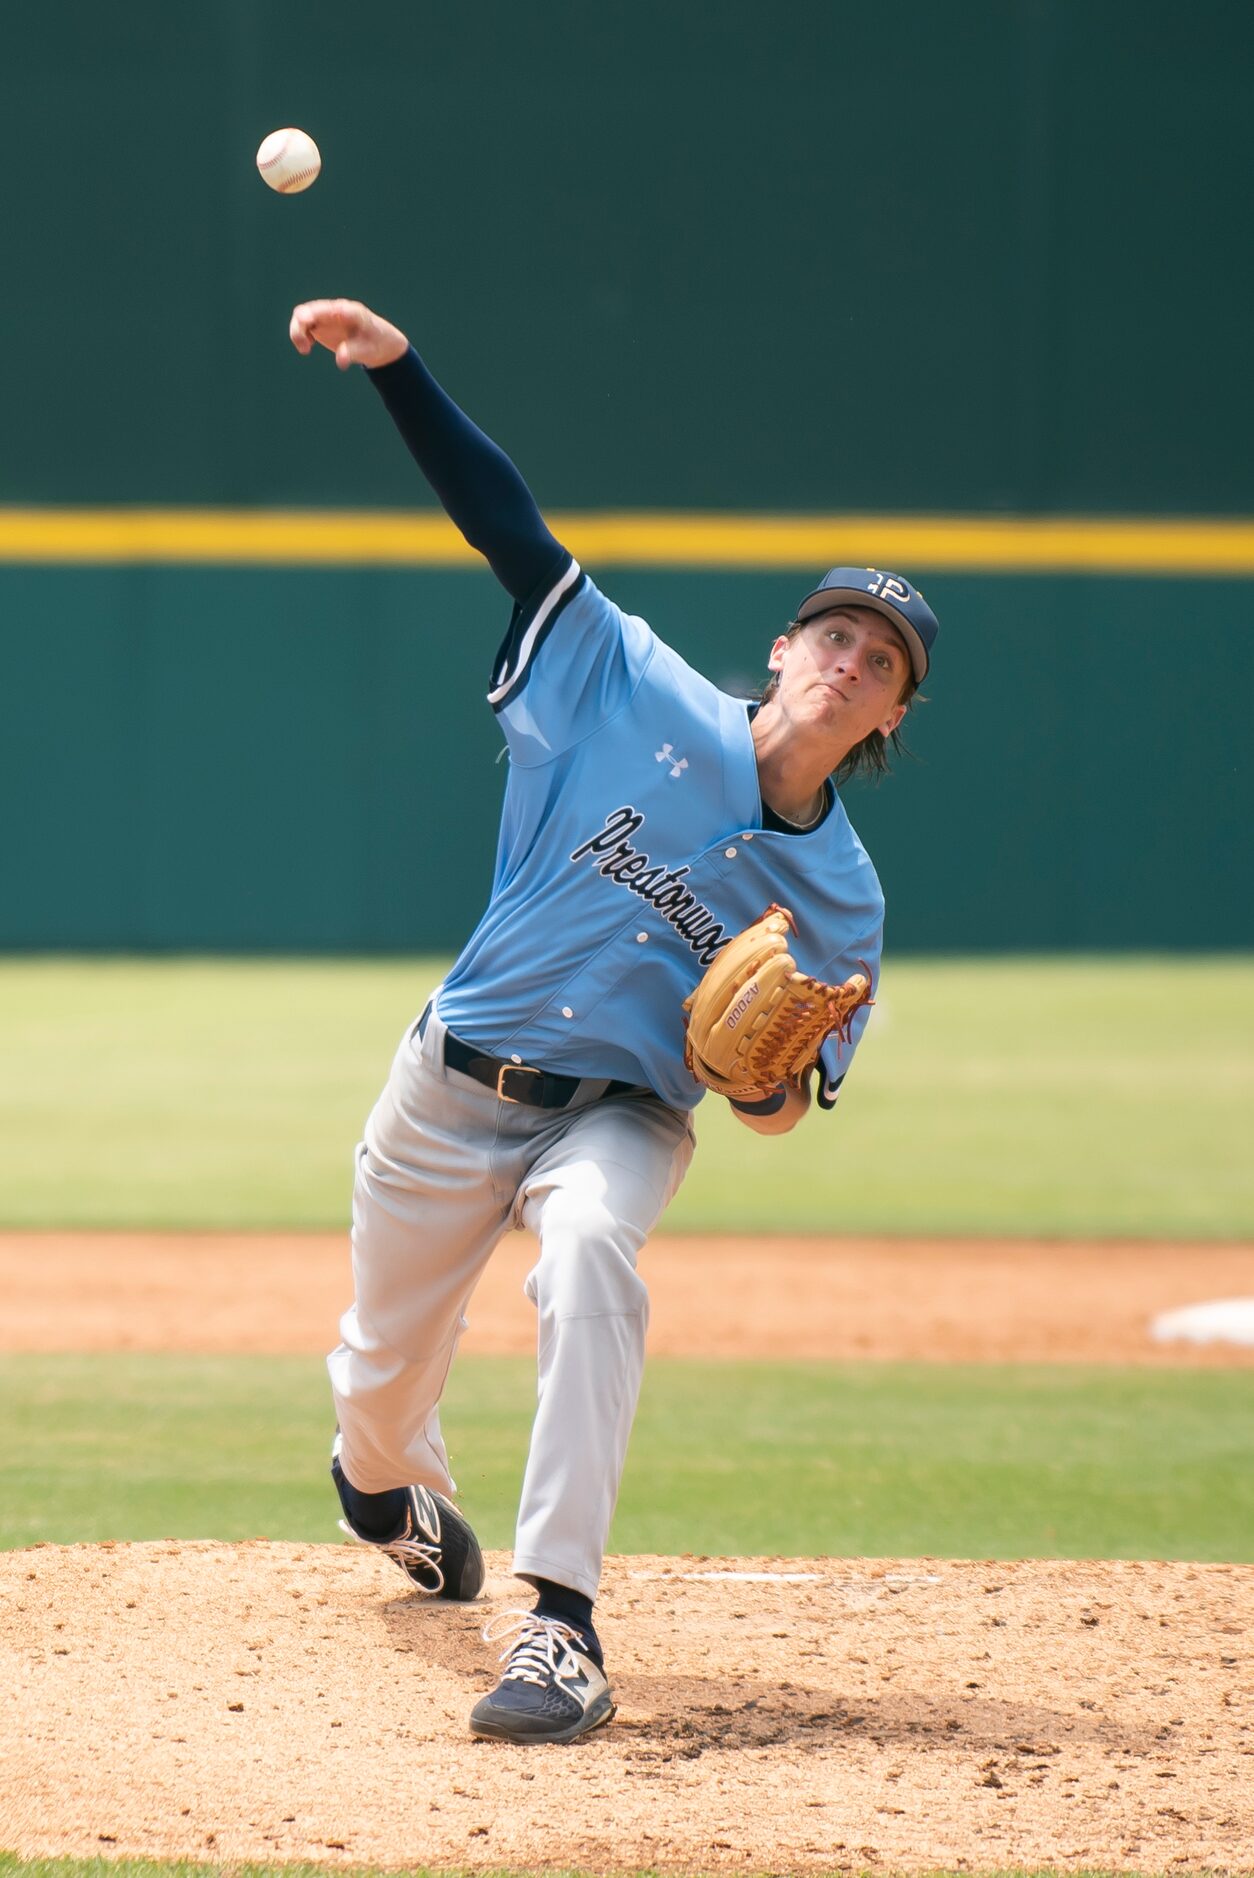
<point>844,672</point>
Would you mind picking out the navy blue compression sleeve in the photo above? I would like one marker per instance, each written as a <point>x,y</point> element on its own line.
<point>481,490</point>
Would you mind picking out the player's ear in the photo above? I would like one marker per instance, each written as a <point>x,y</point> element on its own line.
<point>891,722</point>
<point>775,662</point>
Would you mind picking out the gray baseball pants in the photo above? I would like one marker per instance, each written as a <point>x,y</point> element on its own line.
<point>447,1168</point>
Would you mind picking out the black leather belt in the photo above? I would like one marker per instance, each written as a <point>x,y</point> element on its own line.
<point>514,1082</point>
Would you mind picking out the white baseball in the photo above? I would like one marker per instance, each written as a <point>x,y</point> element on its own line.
<point>288,161</point>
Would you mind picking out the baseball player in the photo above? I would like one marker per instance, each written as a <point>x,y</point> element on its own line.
<point>648,817</point>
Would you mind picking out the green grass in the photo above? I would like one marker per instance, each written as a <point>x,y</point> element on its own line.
<point>856,1460</point>
<point>1075,1097</point>
<point>191,1092</point>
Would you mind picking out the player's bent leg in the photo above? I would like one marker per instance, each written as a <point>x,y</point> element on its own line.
<point>416,1526</point>
<point>425,1220</point>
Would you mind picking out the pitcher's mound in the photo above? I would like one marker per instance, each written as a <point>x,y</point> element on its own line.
<point>275,1702</point>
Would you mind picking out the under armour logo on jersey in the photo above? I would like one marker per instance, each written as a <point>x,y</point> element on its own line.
<point>887,586</point>
<point>667,755</point>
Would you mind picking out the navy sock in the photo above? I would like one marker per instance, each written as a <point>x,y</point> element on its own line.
<point>373,1515</point>
<point>571,1607</point>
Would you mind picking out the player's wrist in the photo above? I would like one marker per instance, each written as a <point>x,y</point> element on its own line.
<point>393,349</point>
<point>761,1105</point>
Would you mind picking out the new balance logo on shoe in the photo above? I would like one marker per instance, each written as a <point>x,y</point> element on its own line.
<point>433,1545</point>
<point>425,1514</point>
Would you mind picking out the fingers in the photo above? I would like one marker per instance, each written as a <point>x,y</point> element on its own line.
<point>349,330</point>
<point>325,322</point>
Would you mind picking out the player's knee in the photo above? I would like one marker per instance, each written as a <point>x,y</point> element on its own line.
<point>587,1260</point>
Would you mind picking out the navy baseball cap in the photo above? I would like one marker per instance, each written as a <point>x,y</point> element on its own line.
<point>889,594</point>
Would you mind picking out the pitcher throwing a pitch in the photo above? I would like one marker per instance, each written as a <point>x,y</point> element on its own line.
<point>622,968</point>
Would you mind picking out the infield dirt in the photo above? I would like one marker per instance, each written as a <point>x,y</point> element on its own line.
<point>789,1299</point>
<point>268,1702</point>
<point>278,1703</point>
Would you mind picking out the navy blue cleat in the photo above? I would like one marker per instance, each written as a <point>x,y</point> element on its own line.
<point>553,1688</point>
<point>433,1545</point>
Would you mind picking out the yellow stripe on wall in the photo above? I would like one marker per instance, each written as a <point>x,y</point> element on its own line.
<point>348,538</point>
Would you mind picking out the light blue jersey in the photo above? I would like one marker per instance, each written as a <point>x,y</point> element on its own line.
<point>631,848</point>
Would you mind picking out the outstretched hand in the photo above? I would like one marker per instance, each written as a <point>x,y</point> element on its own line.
<point>348,329</point>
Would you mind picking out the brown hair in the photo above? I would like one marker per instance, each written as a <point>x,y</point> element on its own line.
<point>870,757</point>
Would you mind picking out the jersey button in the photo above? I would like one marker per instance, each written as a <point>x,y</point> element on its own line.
<point>566,1011</point>
<point>729,853</point>
<point>642,938</point>
<point>746,837</point>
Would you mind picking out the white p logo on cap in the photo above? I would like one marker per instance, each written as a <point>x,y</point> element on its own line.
<point>887,586</point>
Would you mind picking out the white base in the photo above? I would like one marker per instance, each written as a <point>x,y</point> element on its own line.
<point>1224,1320</point>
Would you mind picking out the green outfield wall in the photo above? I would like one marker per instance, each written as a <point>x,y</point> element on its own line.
<point>986,262</point>
<point>260,759</point>
<point>992,254</point>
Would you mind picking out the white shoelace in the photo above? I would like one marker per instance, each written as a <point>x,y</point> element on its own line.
<point>404,1551</point>
<point>534,1657</point>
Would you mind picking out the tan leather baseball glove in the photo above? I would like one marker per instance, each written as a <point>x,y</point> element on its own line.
<point>755,1021</point>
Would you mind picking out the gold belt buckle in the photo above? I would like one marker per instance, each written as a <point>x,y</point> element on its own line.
<point>513,1069</point>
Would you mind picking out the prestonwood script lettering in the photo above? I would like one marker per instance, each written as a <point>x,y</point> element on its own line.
<point>661,887</point>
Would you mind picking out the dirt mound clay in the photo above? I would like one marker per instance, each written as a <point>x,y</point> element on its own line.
<point>280,1703</point>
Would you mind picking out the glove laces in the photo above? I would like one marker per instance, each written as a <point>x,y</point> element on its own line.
<point>535,1656</point>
